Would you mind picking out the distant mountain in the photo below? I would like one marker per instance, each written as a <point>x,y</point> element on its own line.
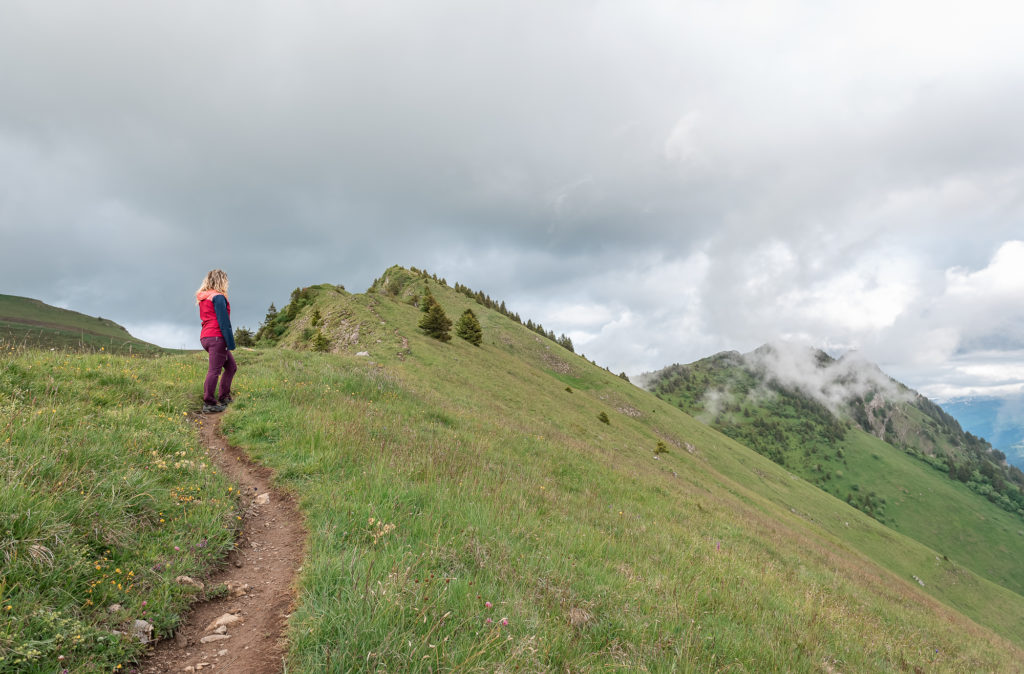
<point>856,433</point>
<point>998,420</point>
<point>29,322</point>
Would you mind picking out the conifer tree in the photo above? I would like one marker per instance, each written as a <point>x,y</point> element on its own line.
<point>427,300</point>
<point>435,323</point>
<point>321,342</point>
<point>469,328</point>
<point>268,320</point>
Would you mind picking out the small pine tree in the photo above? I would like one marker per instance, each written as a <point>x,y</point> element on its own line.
<point>268,321</point>
<point>622,375</point>
<point>435,323</point>
<point>469,328</point>
<point>317,318</point>
<point>321,342</point>
<point>427,300</point>
<point>603,418</point>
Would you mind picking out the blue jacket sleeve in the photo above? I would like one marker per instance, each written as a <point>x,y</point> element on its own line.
<point>220,307</point>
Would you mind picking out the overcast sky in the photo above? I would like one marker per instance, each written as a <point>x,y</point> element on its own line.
<point>659,180</point>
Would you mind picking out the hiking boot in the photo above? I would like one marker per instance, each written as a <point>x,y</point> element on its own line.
<point>226,400</point>
<point>213,409</point>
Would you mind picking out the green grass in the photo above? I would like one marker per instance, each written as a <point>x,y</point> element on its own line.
<point>901,491</point>
<point>27,322</point>
<point>502,487</point>
<point>106,498</point>
<point>941,513</point>
<point>448,489</point>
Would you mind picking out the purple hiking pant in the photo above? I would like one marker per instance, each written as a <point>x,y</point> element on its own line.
<point>220,357</point>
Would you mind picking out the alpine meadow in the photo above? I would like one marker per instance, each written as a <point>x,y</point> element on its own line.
<point>479,498</point>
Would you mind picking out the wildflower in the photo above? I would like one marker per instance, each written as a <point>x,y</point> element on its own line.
<point>504,621</point>
<point>488,604</point>
<point>488,621</point>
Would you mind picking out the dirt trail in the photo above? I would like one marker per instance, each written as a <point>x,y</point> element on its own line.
<point>266,558</point>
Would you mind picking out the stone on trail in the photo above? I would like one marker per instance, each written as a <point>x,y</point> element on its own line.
<point>224,621</point>
<point>263,499</point>
<point>214,637</point>
<point>237,588</point>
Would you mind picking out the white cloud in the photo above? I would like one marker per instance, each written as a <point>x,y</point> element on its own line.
<point>1001,280</point>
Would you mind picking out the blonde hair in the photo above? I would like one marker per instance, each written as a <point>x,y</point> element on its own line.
<point>217,280</point>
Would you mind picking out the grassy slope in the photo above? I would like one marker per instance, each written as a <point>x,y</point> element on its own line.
<point>504,487</point>
<point>104,500</point>
<point>25,321</point>
<point>903,492</point>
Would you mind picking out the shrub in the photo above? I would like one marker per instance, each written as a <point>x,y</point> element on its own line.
<point>317,319</point>
<point>661,448</point>
<point>244,337</point>
<point>603,418</point>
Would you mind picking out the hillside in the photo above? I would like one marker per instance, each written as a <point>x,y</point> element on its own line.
<point>502,507</point>
<point>864,438</point>
<point>522,399</point>
<point>28,322</point>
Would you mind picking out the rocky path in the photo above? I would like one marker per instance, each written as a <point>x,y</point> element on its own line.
<point>243,631</point>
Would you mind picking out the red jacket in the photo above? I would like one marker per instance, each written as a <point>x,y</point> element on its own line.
<point>208,315</point>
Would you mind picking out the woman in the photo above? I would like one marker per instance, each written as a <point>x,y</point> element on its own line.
<point>217,338</point>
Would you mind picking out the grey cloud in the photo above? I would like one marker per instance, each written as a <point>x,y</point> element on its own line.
<point>700,176</point>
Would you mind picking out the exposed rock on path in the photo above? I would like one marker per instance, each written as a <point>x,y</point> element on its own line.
<point>249,620</point>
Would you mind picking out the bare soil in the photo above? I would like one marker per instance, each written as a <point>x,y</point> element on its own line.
<point>266,557</point>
